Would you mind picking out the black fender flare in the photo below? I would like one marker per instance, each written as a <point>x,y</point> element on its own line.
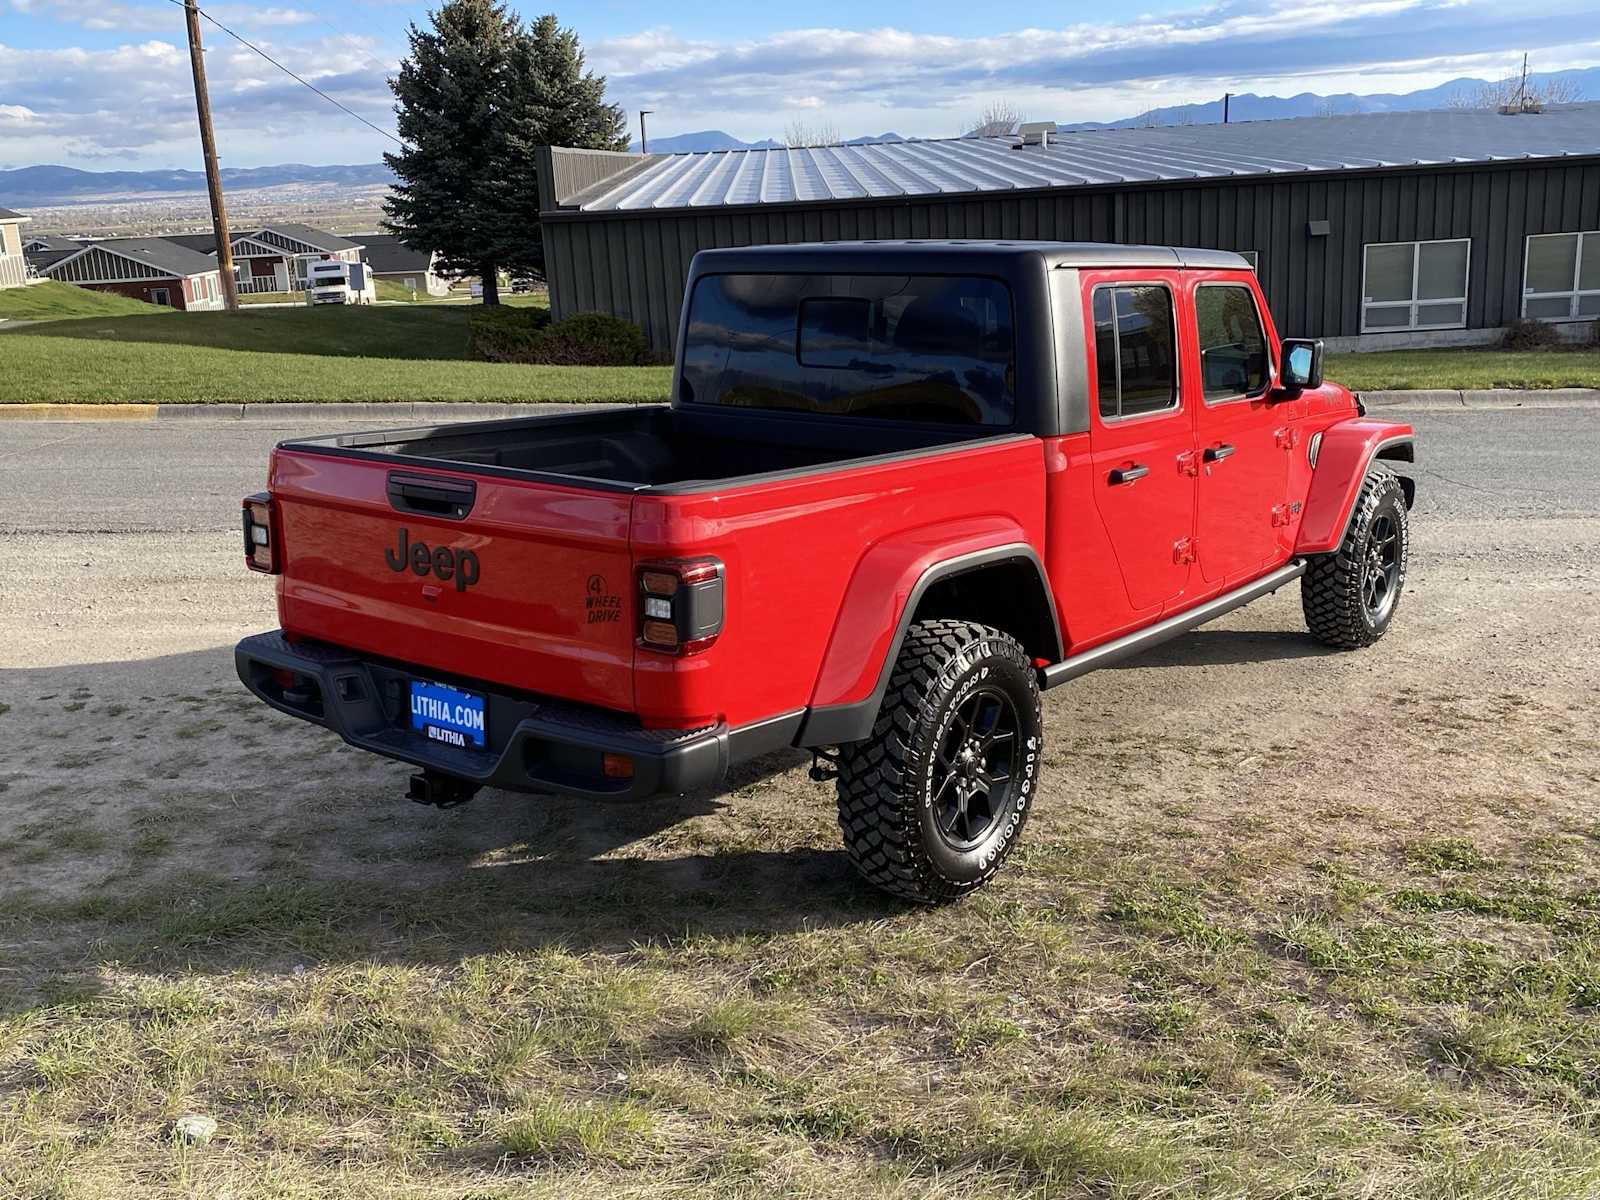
<point>831,725</point>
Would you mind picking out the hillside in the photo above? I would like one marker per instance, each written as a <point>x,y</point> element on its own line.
<point>53,301</point>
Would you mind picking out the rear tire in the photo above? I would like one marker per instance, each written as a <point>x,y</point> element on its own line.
<point>932,802</point>
<point>1350,597</point>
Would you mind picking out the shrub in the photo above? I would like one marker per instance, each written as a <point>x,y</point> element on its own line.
<point>499,334</point>
<point>593,340</point>
<point>1530,335</point>
<point>525,335</point>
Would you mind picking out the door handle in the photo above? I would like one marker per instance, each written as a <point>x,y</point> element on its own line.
<point>1218,453</point>
<point>1128,474</point>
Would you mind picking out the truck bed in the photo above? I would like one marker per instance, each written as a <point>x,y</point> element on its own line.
<point>641,446</point>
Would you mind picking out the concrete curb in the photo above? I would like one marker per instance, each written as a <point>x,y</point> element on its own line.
<point>1449,398</point>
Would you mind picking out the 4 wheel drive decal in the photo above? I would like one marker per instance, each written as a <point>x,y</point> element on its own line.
<point>443,562</point>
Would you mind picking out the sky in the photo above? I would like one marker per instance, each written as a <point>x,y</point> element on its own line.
<point>104,84</point>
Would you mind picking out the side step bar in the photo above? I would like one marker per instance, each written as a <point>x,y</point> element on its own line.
<point>1174,626</point>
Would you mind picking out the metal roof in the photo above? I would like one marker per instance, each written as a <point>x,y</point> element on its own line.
<point>386,254</point>
<point>320,238</point>
<point>158,252</point>
<point>1106,157</point>
<point>841,255</point>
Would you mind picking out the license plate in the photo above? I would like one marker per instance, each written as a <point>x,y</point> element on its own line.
<point>446,714</point>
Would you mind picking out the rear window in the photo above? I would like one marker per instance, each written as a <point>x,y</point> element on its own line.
<point>936,348</point>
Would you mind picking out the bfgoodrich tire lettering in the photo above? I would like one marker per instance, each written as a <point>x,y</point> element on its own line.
<point>1350,597</point>
<point>933,801</point>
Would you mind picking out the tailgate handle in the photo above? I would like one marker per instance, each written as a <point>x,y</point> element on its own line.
<point>451,499</point>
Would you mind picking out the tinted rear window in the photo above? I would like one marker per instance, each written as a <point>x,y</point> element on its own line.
<point>907,347</point>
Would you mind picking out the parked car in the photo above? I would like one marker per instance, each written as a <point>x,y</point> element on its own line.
<point>900,490</point>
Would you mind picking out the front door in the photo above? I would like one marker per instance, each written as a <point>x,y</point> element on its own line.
<point>1243,437</point>
<point>1142,433</point>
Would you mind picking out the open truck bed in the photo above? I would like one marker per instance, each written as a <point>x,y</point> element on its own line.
<point>637,447</point>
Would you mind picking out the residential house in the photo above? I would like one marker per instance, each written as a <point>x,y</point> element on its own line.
<point>274,258</point>
<point>13,266</point>
<point>393,261</point>
<point>155,270</point>
<point>42,249</point>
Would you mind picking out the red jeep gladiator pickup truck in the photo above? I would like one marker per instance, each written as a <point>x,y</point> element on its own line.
<point>901,488</point>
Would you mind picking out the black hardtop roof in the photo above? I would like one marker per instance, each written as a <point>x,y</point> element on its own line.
<point>968,253</point>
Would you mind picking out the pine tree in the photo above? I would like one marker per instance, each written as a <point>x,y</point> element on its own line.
<point>477,94</point>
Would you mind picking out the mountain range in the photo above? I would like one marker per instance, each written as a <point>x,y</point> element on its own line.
<point>66,185</point>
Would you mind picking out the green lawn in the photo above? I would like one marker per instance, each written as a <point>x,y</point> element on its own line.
<point>373,332</point>
<point>60,371</point>
<point>50,301</point>
<point>1402,370</point>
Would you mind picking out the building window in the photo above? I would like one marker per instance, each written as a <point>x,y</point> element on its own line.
<point>1561,276</point>
<point>1252,257</point>
<point>1415,285</point>
<point>160,296</point>
<point>1135,350</point>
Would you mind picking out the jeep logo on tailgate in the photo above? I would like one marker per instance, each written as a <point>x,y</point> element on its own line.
<point>442,561</point>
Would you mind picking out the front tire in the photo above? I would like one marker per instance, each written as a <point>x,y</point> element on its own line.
<point>932,802</point>
<point>1350,597</point>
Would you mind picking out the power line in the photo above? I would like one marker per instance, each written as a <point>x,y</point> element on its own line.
<point>303,82</point>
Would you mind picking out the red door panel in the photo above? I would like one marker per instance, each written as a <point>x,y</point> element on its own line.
<point>1243,436</point>
<point>1142,474</point>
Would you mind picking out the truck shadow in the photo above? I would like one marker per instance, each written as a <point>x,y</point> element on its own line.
<point>154,812</point>
<point>1229,647</point>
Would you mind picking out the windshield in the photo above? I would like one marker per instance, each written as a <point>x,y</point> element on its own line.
<point>904,347</point>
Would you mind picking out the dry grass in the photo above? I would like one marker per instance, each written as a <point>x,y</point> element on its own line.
<point>1283,925</point>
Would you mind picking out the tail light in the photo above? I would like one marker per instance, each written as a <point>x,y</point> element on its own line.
<point>263,549</point>
<point>680,604</point>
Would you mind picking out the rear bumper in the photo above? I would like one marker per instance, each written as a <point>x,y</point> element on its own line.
<point>532,744</point>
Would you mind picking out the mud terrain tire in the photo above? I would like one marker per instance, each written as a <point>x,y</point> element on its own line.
<point>933,801</point>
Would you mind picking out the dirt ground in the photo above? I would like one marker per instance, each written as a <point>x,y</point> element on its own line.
<point>1284,921</point>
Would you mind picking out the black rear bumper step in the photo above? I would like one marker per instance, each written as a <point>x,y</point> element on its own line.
<point>533,744</point>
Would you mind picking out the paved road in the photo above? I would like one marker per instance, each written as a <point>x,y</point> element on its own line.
<point>181,477</point>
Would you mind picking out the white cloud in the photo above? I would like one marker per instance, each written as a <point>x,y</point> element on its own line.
<point>919,83</point>
<point>157,16</point>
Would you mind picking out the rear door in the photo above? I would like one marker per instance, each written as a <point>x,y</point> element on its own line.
<point>477,576</point>
<point>1142,431</point>
<point>1243,437</point>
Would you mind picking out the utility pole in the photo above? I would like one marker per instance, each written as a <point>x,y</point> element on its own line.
<point>1226,97</point>
<point>644,142</point>
<point>208,145</point>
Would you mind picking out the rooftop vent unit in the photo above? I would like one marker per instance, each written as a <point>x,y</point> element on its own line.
<point>1035,133</point>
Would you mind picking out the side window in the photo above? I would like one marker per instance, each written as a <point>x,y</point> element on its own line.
<point>1136,355</point>
<point>1233,350</point>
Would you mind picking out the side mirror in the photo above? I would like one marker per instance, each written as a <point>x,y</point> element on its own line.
<point>1300,364</point>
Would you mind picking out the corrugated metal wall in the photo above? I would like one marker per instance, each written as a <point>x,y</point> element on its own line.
<point>635,265</point>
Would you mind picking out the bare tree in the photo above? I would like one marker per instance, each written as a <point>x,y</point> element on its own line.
<point>1517,93</point>
<point>998,118</point>
<point>800,134</point>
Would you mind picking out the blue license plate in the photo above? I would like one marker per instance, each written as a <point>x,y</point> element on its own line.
<point>446,714</point>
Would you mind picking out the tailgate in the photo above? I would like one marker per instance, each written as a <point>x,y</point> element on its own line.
<point>528,587</point>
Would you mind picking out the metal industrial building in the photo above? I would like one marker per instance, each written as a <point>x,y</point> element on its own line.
<point>1376,230</point>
